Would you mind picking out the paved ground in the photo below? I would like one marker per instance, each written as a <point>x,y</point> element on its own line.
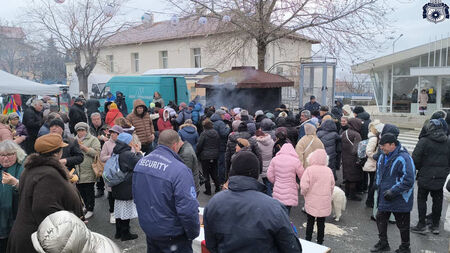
<point>409,139</point>
<point>354,233</point>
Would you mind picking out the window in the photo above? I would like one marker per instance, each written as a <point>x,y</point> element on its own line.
<point>110,62</point>
<point>163,59</point>
<point>196,58</point>
<point>135,62</point>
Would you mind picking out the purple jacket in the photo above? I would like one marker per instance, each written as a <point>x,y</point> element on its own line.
<point>21,130</point>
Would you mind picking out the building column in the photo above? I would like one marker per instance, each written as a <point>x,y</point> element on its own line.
<point>439,93</point>
<point>385,90</point>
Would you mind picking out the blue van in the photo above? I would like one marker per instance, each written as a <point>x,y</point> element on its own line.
<point>171,88</point>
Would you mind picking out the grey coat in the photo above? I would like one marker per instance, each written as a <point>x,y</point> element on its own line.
<point>187,154</point>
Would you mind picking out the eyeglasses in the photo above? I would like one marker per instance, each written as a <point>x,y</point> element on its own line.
<point>8,155</point>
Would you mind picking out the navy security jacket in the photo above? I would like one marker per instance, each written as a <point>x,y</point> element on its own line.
<point>396,172</point>
<point>165,195</point>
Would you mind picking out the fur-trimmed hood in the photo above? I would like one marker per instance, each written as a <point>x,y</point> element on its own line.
<point>35,160</point>
<point>188,125</point>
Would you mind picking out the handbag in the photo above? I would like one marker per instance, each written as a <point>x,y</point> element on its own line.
<point>98,166</point>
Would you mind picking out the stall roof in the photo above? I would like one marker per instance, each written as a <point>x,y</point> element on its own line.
<point>244,77</point>
<point>11,84</point>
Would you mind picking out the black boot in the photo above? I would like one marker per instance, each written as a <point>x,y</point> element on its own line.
<point>420,229</point>
<point>434,229</point>
<point>126,235</point>
<point>208,189</point>
<point>381,246</point>
<point>429,219</point>
<point>118,234</point>
<point>404,248</point>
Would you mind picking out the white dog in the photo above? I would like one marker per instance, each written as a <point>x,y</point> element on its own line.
<point>339,202</point>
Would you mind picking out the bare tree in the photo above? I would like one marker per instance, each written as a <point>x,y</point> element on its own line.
<point>341,26</point>
<point>80,28</point>
<point>357,84</point>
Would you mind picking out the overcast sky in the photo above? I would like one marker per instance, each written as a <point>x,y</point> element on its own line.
<point>407,15</point>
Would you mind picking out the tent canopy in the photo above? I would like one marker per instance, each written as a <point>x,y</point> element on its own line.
<point>11,84</point>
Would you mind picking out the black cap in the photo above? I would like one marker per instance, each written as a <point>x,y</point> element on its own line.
<point>56,122</point>
<point>245,163</point>
<point>312,97</point>
<point>388,138</point>
<point>358,109</point>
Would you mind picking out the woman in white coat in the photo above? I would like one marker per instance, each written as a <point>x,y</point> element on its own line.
<point>375,128</point>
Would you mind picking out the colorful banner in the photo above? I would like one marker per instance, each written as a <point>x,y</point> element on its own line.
<point>11,106</point>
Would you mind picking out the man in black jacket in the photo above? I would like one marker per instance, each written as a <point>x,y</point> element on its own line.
<point>223,130</point>
<point>364,116</point>
<point>208,151</point>
<point>92,106</point>
<point>121,104</point>
<point>432,160</point>
<point>244,218</point>
<point>72,154</point>
<point>76,114</point>
<point>33,120</point>
<point>312,105</point>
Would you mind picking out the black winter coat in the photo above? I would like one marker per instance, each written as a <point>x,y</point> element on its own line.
<point>92,106</point>
<point>208,145</point>
<point>76,114</point>
<point>365,118</point>
<point>33,121</point>
<point>127,162</point>
<point>330,138</point>
<point>263,221</point>
<point>222,130</point>
<point>72,153</point>
<point>432,158</point>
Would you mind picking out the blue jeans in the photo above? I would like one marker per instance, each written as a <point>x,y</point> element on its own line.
<point>169,246</point>
<point>221,167</point>
<point>269,186</point>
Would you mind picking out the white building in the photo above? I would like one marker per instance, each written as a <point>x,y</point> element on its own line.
<point>190,45</point>
<point>399,77</point>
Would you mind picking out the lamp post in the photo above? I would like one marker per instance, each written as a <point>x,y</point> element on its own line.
<point>393,43</point>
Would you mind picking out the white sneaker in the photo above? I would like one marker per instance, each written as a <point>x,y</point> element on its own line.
<point>88,215</point>
<point>112,219</point>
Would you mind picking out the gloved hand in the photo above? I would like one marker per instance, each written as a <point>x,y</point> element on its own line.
<point>388,195</point>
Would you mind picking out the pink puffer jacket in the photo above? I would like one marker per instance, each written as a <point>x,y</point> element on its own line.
<point>317,185</point>
<point>282,171</point>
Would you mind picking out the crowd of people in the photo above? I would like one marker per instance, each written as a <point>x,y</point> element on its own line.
<point>257,164</point>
